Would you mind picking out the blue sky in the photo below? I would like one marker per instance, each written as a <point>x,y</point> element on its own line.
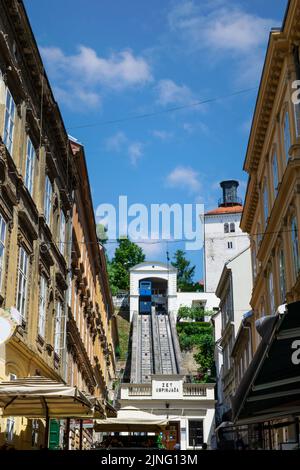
<point>118,59</point>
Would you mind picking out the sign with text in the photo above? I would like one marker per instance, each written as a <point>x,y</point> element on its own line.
<point>167,388</point>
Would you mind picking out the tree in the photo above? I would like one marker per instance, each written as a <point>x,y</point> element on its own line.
<point>185,272</point>
<point>101,233</point>
<point>196,313</point>
<point>127,255</point>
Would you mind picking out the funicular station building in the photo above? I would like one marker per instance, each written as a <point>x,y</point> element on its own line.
<point>158,383</point>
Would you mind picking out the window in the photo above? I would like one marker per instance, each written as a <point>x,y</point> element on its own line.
<point>58,331</point>
<point>297,118</point>
<point>282,276</point>
<point>42,307</point>
<point>48,200</point>
<point>34,432</point>
<point>295,245</point>
<point>226,228</point>
<point>275,173</point>
<point>9,122</point>
<point>230,245</point>
<point>10,422</point>
<point>30,162</point>
<point>232,227</point>
<point>266,202</point>
<point>271,293</point>
<point>62,232</point>
<point>254,267</point>
<point>259,234</point>
<point>287,135</point>
<point>2,246</point>
<point>22,282</point>
<point>195,433</point>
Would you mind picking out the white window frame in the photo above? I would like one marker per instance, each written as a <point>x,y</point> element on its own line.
<point>275,173</point>
<point>10,421</point>
<point>271,292</point>
<point>287,134</point>
<point>42,306</point>
<point>232,227</point>
<point>9,121</point>
<point>295,245</point>
<point>226,227</point>
<point>58,330</point>
<point>230,245</point>
<point>266,202</point>
<point>282,278</point>
<point>297,118</point>
<point>30,164</point>
<point>48,199</point>
<point>2,246</point>
<point>62,232</point>
<point>22,287</point>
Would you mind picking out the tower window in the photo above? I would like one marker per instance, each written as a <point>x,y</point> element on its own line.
<point>232,227</point>
<point>226,228</point>
<point>230,245</point>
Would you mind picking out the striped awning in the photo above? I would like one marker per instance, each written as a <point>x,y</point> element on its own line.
<point>37,397</point>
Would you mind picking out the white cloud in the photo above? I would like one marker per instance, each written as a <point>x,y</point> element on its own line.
<point>198,126</point>
<point>162,135</point>
<point>152,250</point>
<point>184,178</point>
<point>84,76</point>
<point>221,29</point>
<point>116,142</point>
<point>119,142</point>
<point>135,152</point>
<point>171,93</point>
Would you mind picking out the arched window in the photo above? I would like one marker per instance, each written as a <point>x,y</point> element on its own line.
<point>226,228</point>
<point>232,227</point>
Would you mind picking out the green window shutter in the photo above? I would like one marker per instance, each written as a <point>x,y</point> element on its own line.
<point>54,434</point>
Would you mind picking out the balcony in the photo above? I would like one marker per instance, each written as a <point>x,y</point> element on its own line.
<point>234,201</point>
<point>194,390</point>
<point>138,390</point>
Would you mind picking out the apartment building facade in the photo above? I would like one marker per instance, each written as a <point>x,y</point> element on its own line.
<point>47,261</point>
<point>271,214</point>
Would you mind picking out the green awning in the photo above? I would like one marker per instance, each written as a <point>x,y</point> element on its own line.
<point>270,387</point>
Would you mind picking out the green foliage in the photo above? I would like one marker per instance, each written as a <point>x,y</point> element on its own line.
<point>159,441</point>
<point>199,335</point>
<point>127,255</point>
<point>101,233</point>
<point>185,273</point>
<point>192,313</point>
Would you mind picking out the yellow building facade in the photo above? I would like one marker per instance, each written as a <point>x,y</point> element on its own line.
<point>271,213</point>
<point>44,224</point>
<point>272,206</point>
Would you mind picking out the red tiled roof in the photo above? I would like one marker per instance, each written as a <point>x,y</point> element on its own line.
<point>225,210</point>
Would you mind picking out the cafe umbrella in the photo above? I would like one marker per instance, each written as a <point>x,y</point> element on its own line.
<point>44,398</point>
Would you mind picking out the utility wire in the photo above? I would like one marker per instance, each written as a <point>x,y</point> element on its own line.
<point>178,240</point>
<point>164,111</point>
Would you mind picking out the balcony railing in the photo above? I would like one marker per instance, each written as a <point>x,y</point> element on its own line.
<point>136,390</point>
<point>194,390</point>
<point>230,201</point>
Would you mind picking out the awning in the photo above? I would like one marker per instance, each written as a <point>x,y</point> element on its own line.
<point>131,419</point>
<point>270,387</point>
<point>38,397</point>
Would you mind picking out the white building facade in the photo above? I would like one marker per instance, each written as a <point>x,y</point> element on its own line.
<point>189,408</point>
<point>223,237</point>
